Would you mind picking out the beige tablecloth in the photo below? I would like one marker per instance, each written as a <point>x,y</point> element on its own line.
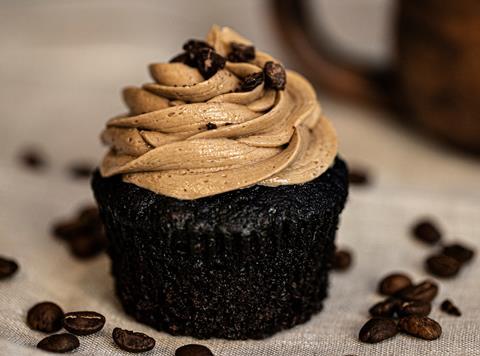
<point>62,64</point>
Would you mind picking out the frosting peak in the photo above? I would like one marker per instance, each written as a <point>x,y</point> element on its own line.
<point>219,117</point>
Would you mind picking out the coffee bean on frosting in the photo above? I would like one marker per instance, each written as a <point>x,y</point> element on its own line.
<point>46,317</point>
<point>241,52</point>
<point>209,62</point>
<point>252,81</point>
<point>275,75</point>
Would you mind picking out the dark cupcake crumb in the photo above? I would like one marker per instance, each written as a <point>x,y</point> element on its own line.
<point>252,81</point>
<point>241,52</point>
<point>275,75</point>
<point>211,126</point>
<point>33,159</point>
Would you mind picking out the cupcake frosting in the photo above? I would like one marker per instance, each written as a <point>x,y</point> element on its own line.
<point>189,135</point>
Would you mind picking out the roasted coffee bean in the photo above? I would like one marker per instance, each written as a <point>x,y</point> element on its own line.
<point>427,232</point>
<point>33,159</point>
<point>80,170</point>
<point>8,267</point>
<point>209,62</point>
<point>46,317</point>
<point>132,341</point>
<point>448,307</point>
<point>414,307</point>
<point>86,222</point>
<point>358,177</point>
<point>459,252</point>
<point>342,260</point>
<point>275,75</point>
<point>83,322</point>
<point>377,329</point>
<point>386,308</point>
<point>211,126</point>
<point>193,350</point>
<point>241,52</point>
<point>425,291</point>
<point>59,343</point>
<point>442,266</point>
<point>393,283</point>
<point>252,81</point>
<point>87,246</point>
<point>421,327</point>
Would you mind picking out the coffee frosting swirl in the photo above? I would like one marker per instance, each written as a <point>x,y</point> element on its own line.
<point>188,138</point>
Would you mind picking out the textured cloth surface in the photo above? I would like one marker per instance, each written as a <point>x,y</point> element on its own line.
<point>62,62</point>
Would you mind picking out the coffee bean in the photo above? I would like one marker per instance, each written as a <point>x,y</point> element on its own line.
<point>46,317</point>
<point>442,266</point>
<point>427,232</point>
<point>448,307</point>
<point>33,159</point>
<point>193,350</point>
<point>425,291</point>
<point>59,343</point>
<point>211,126</point>
<point>459,252</point>
<point>420,326</point>
<point>342,260</point>
<point>86,246</point>
<point>8,267</point>
<point>393,283</point>
<point>132,341</point>
<point>252,81</point>
<point>378,329</point>
<point>275,75</point>
<point>357,176</point>
<point>83,322</point>
<point>414,307</point>
<point>209,62</point>
<point>386,308</point>
<point>80,170</point>
<point>241,52</point>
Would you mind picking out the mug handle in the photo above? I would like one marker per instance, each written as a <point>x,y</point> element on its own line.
<point>361,83</point>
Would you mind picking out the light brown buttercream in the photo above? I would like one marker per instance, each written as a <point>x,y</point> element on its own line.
<point>262,136</point>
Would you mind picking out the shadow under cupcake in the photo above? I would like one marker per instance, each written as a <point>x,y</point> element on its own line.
<point>221,194</point>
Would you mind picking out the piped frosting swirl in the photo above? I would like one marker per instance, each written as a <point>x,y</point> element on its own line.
<point>188,137</point>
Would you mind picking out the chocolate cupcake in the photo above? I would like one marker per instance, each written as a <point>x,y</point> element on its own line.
<point>221,194</point>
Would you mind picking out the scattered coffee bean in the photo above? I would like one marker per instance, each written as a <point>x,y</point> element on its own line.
<point>86,246</point>
<point>448,307</point>
<point>241,52</point>
<point>459,252</point>
<point>442,266</point>
<point>59,343</point>
<point>80,170</point>
<point>426,231</point>
<point>378,329</point>
<point>425,291</point>
<point>8,267</point>
<point>83,322</point>
<point>342,260</point>
<point>420,326</point>
<point>275,75</point>
<point>414,307</point>
<point>132,341</point>
<point>386,308</point>
<point>33,159</point>
<point>252,81</point>
<point>209,62</point>
<point>211,126</point>
<point>193,350</point>
<point>46,317</point>
<point>393,283</point>
<point>357,176</point>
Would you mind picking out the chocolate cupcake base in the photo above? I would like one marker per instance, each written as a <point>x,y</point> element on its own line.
<point>238,265</point>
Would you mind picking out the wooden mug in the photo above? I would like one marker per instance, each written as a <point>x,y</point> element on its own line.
<point>435,74</point>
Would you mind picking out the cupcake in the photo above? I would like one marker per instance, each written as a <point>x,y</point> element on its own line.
<point>221,194</point>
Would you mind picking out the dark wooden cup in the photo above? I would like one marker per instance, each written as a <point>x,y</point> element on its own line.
<point>435,74</point>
